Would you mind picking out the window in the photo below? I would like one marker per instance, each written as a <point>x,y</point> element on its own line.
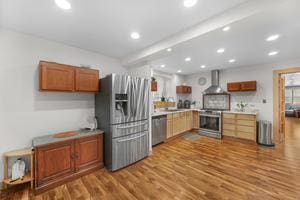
<point>292,95</point>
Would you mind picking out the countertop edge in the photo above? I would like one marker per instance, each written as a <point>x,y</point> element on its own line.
<point>49,139</point>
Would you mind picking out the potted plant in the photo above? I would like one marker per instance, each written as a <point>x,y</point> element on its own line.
<point>242,106</point>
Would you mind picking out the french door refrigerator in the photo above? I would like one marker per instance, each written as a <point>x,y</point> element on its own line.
<point>122,112</point>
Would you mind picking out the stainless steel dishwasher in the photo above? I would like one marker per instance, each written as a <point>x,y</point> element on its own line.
<point>159,129</point>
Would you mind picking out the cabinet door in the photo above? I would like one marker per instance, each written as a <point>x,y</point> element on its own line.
<point>56,77</point>
<point>179,89</point>
<point>169,128</point>
<point>189,89</point>
<point>196,120</point>
<point>153,86</point>
<point>54,161</point>
<point>87,80</point>
<point>89,152</point>
<point>248,86</point>
<point>176,126</point>
<point>231,87</point>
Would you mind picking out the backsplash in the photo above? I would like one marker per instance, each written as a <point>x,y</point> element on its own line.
<point>216,102</point>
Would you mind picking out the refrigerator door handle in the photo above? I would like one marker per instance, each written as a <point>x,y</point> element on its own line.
<point>131,126</point>
<point>125,140</point>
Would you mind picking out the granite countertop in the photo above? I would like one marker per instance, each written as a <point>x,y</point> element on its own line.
<point>160,113</point>
<point>47,139</point>
<point>247,112</point>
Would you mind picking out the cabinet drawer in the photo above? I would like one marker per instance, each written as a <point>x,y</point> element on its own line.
<point>228,116</point>
<point>229,127</point>
<point>246,117</point>
<point>229,133</point>
<point>247,129</point>
<point>246,123</point>
<point>247,136</point>
<point>176,115</point>
<point>228,121</point>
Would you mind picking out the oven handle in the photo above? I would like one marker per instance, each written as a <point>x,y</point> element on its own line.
<point>207,115</point>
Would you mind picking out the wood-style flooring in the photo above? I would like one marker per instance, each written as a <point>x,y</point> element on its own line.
<point>203,169</point>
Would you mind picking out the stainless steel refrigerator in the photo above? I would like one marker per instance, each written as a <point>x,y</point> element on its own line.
<point>122,111</point>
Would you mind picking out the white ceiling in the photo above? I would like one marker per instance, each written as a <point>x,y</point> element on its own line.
<point>104,26</point>
<point>245,42</point>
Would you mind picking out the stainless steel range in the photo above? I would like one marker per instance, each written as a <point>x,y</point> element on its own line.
<point>210,123</point>
<point>215,99</point>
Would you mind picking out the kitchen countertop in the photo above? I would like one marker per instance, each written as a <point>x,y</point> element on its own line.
<point>47,139</point>
<point>160,113</point>
<point>248,112</point>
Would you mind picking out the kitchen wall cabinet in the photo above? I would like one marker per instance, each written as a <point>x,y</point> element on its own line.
<point>240,126</point>
<point>242,86</point>
<point>154,86</point>
<point>67,78</point>
<point>59,162</point>
<point>56,77</point>
<point>182,89</point>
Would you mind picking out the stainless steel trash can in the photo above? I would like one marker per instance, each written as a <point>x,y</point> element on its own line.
<point>265,136</point>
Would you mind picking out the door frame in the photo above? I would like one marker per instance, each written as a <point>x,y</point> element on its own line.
<point>276,112</point>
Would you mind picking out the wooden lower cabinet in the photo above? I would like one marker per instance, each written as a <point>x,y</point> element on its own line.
<point>60,162</point>
<point>181,122</point>
<point>240,126</point>
<point>196,118</point>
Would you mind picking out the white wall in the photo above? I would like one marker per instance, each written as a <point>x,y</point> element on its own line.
<point>263,74</point>
<point>24,111</point>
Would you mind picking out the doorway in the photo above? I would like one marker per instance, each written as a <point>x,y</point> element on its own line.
<point>286,112</point>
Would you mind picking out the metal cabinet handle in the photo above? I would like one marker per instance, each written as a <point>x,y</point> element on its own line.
<point>125,140</point>
<point>131,126</point>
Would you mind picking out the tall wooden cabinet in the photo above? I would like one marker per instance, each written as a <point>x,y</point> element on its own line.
<point>67,78</point>
<point>62,161</point>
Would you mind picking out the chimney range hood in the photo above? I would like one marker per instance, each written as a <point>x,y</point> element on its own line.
<point>215,85</point>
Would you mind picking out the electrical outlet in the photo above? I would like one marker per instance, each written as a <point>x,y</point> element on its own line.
<point>264,100</point>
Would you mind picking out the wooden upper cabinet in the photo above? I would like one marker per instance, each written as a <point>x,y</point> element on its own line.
<point>153,86</point>
<point>67,78</point>
<point>248,86</point>
<point>241,86</point>
<point>56,77</point>
<point>87,80</point>
<point>182,89</point>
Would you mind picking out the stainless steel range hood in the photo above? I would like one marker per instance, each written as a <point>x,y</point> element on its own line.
<point>215,85</point>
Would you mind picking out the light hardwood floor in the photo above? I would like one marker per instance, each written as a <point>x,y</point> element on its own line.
<point>203,169</point>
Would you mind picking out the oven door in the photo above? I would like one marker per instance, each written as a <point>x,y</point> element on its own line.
<point>210,123</point>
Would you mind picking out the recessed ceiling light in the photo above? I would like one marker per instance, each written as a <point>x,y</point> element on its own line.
<point>179,71</point>
<point>169,50</point>
<point>188,59</point>
<point>189,3</point>
<point>203,66</point>
<point>231,60</point>
<point>135,35</point>
<point>226,28</point>
<point>272,38</point>
<point>162,66</point>
<point>221,50</point>
<point>273,53</point>
<point>63,4</point>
